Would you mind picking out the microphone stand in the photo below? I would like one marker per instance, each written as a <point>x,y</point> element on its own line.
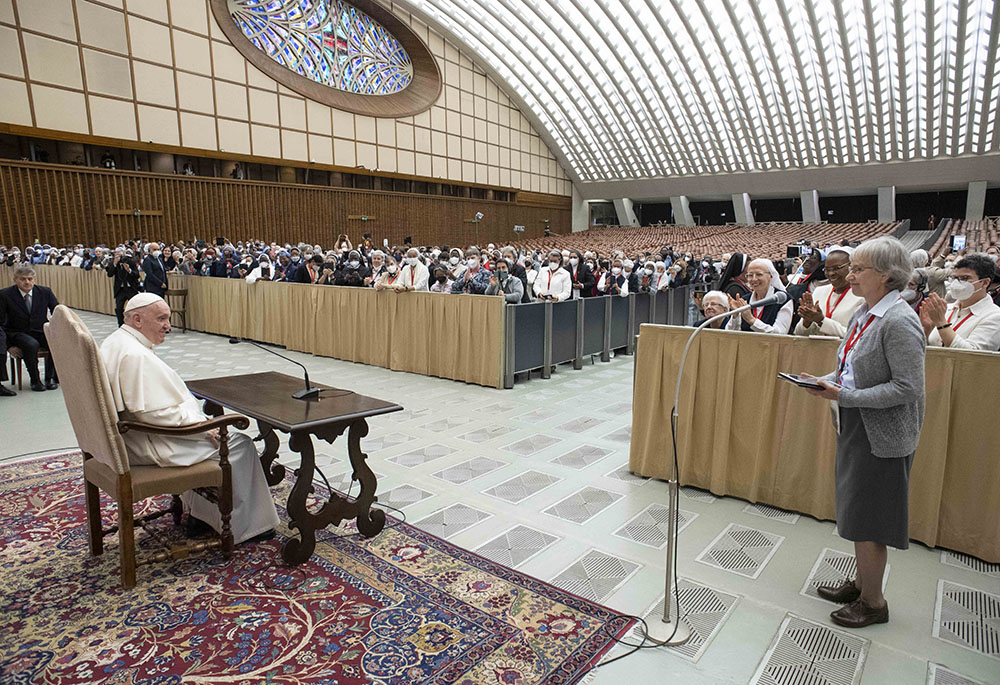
<point>671,630</point>
<point>309,393</point>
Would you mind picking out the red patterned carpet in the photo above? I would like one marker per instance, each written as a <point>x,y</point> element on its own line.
<point>404,607</point>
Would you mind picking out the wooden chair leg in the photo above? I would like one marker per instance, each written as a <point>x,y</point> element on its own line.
<point>226,494</point>
<point>94,519</point>
<point>126,531</point>
<point>177,509</point>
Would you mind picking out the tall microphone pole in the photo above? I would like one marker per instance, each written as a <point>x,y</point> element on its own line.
<point>309,393</point>
<point>671,630</point>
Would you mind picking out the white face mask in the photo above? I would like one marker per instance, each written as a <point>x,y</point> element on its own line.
<point>574,261</point>
<point>392,268</point>
<point>355,263</point>
<point>648,272</point>
<point>993,257</point>
<point>454,261</point>
<point>960,290</point>
<point>473,263</point>
<point>616,270</point>
<point>909,295</point>
<point>156,253</point>
<point>295,258</point>
<point>411,260</point>
<point>553,265</point>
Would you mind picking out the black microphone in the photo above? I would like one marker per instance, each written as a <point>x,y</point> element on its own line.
<point>779,297</point>
<point>309,393</point>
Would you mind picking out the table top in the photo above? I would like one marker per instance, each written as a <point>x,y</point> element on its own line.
<point>268,397</point>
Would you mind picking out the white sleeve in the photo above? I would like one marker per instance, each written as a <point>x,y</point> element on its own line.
<point>253,275</point>
<point>602,283</point>
<point>422,277</point>
<point>986,336</point>
<point>623,291</point>
<point>781,322</point>
<point>566,289</point>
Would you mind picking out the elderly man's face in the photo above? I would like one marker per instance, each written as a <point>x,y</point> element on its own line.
<point>153,321</point>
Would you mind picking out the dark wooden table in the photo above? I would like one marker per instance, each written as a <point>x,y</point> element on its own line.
<point>267,398</point>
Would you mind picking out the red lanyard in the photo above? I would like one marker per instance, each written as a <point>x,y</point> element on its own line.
<point>829,312</point>
<point>852,340</point>
<point>757,312</point>
<point>550,279</point>
<point>392,279</point>
<point>959,324</point>
<point>411,274</point>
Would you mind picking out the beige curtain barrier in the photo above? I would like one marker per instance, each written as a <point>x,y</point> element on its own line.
<point>450,336</point>
<point>745,433</point>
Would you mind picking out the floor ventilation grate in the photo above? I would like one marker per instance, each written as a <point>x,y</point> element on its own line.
<point>516,546</point>
<point>595,575</point>
<point>741,550</point>
<point>940,675</point>
<point>451,520</point>
<point>968,617</point>
<point>581,457</point>
<point>967,561</point>
<point>522,487</point>
<point>769,512</point>
<point>649,527</point>
<point>469,470</point>
<point>833,567</point>
<point>583,505</point>
<point>623,474</point>
<point>807,653</point>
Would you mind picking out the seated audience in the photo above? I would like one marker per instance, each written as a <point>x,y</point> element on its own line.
<point>773,318</point>
<point>828,309</point>
<point>972,321</point>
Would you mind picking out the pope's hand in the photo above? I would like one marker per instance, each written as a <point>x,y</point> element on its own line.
<point>213,437</point>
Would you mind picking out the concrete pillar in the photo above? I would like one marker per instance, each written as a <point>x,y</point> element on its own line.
<point>741,205</point>
<point>581,212</point>
<point>626,215</point>
<point>682,210</point>
<point>886,204</point>
<point>975,203</point>
<point>810,206</point>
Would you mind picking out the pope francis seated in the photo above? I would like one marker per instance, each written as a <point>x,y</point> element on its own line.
<point>146,389</point>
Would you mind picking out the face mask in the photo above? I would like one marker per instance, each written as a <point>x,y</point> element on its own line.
<point>473,263</point>
<point>355,264</point>
<point>960,290</point>
<point>454,261</point>
<point>392,268</point>
<point>909,295</point>
<point>616,270</point>
<point>993,258</point>
<point>156,254</point>
<point>628,271</point>
<point>648,272</point>
<point>308,256</point>
<point>411,260</point>
<point>502,276</point>
<point>574,261</point>
<point>442,279</point>
<point>296,258</point>
<point>553,265</point>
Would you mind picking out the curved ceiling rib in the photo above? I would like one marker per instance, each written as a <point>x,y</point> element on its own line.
<point>646,89</point>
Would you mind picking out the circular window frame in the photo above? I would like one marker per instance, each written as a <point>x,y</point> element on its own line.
<point>422,92</point>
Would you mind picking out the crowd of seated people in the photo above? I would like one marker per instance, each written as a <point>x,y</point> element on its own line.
<point>955,294</point>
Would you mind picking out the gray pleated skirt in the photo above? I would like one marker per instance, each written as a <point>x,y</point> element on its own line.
<point>872,493</point>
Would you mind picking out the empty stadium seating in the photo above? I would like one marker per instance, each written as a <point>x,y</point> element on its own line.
<point>979,235</point>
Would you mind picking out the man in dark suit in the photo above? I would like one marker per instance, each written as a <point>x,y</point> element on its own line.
<point>156,272</point>
<point>4,392</point>
<point>125,271</point>
<point>25,308</point>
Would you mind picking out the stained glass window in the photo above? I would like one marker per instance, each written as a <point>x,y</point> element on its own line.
<point>328,41</point>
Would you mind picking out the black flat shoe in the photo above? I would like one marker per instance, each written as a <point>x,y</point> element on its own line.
<point>52,385</point>
<point>196,528</point>
<point>266,535</point>
<point>37,386</point>
<point>844,593</point>
<point>6,392</point>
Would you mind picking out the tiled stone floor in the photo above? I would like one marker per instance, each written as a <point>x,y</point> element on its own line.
<point>536,477</point>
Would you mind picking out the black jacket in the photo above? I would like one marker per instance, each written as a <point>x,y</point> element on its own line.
<point>156,275</point>
<point>17,318</point>
<point>585,277</point>
<point>126,282</point>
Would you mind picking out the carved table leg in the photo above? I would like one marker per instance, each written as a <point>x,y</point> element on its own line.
<point>370,521</point>
<point>276,473</point>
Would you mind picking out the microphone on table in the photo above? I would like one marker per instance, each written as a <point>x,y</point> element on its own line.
<point>309,393</point>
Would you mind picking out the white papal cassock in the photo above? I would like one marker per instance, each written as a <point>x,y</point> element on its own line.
<point>147,390</point>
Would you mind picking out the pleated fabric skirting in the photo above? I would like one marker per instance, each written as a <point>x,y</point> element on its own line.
<point>872,493</point>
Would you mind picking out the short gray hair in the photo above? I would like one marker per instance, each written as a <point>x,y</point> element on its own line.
<point>24,270</point>
<point>716,295</point>
<point>889,258</point>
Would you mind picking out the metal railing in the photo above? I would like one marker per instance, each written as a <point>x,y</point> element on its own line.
<point>539,335</point>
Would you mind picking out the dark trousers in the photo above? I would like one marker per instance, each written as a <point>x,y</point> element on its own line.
<point>120,309</point>
<point>29,343</point>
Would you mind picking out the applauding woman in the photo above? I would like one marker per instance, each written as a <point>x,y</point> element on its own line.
<point>878,394</point>
<point>829,309</point>
<point>763,280</point>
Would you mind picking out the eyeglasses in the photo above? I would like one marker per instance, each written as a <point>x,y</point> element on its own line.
<point>837,268</point>
<point>858,269</point>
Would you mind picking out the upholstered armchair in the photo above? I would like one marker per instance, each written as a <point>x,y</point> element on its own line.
<point>106,468</point>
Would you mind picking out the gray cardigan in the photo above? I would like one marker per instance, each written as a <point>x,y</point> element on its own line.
<point>888,367</point>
